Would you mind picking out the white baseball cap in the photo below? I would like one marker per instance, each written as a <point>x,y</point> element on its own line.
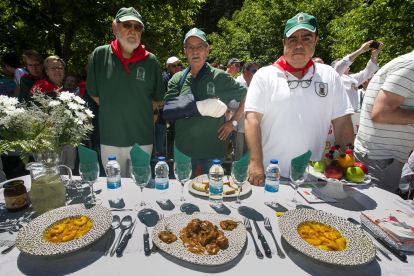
<point>171,60</point>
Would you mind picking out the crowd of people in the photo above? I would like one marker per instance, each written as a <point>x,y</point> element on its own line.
<point>278,111</point>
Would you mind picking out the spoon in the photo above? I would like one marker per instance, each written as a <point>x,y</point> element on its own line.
<point>115,224</point>
<point>125,224</point>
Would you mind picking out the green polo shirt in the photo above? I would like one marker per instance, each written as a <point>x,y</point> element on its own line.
<point>197,137</point>
<point>126,116</point>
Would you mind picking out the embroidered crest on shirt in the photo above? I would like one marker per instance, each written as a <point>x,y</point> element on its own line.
<point>211,90</point>
<point>321,89</point>
<point>141,74</point>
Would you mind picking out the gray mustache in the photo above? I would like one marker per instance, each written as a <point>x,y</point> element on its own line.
<point>195,56</point>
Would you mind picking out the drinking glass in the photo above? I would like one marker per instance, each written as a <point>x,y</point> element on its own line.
<point>298,174</point>
<point>141,177</point>
<point>90,173</point>
<point>182,173</point>
<point>239,175</point>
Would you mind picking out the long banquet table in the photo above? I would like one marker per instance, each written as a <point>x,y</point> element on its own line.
<point>90,260</point>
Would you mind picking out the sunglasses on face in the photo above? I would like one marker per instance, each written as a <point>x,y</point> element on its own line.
<point>175,65</point>
<point>252,69</point>
<point>127,25</point>
<point>237,65</point>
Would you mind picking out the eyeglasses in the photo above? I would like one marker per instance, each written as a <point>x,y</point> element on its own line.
<point>34,65</point>
<point>199,47</point>
<point>295,83</point>
<point>175,65</point>
<point>56,68</point>
<point>252,69</point>
<point>237,65</point>
<point>127,25</point>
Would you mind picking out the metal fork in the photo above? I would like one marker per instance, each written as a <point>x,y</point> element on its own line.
<point>154,248</point>
<point>249,229</point>
<point>268,227</point>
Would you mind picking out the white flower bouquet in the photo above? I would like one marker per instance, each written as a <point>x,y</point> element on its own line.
<point>44,124</point>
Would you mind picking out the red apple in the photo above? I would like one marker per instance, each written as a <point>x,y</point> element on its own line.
<point>362,166</point>
<point>354,174</point>
<point>334,172</point>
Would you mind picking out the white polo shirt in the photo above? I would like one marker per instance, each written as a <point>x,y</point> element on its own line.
<point>295,120</point>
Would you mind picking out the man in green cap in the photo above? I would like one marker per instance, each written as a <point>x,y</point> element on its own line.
<point>203,137</point>
<point>126,81</point>
<point>291,104</point>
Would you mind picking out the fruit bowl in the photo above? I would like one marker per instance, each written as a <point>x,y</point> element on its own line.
<point>367,179</point>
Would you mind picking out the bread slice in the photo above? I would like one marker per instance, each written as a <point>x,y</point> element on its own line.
<point>227,190</point>
<point>234,186</point>
<point>199,186</point>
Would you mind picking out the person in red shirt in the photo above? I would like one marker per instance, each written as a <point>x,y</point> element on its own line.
<point>55,71</point>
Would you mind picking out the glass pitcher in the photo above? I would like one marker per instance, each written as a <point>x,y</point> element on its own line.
<point>47,190</point>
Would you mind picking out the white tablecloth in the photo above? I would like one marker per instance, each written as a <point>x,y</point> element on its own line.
<point>90,260</point>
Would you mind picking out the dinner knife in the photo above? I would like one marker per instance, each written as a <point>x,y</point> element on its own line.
<point>126,238</point>
<point>360,226</point>
<point>381,240</point>
<point>146,242</point>
<point>262,238</point>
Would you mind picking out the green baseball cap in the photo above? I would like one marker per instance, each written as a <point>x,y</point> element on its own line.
<point>126,14</point>
<point>196,32</point>
<point>300,21</point>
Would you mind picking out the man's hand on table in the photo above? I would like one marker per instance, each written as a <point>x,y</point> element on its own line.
<point>256,175</point>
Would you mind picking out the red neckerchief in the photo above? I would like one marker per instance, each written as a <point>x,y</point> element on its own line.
<point>44,86</point>
<point>82,87</point>
<point>31,76</point>
<point>139,54</point>
<point>282,64</point>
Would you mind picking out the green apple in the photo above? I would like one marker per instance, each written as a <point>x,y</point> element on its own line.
<point>354,174</point>
<point>319,166</point>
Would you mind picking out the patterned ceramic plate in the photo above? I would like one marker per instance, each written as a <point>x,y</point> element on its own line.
<point>30,238</point>
<point>237,238</point>
<point>360,249</point>
<point>246,188</point>
<point>367,179</point>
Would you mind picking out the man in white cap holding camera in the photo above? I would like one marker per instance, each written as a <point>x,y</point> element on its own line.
<point>125,80</point>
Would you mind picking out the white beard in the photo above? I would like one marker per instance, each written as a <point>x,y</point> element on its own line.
<point>126,45</point>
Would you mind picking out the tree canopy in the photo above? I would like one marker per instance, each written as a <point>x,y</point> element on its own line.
<point>255,32</point>
<point>73,29</point>
<point>248,30</point>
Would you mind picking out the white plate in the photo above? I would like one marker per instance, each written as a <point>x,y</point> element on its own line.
<point>367,179</point>
<point>175,223</point>
<point>30,239</point>
<point>246,188</point>
<point>360,249</point>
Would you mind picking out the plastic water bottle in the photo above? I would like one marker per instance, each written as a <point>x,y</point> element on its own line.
<point>113,181</point>
<point>272,183</point>
<point>216,184</point>
<point>161,180</point>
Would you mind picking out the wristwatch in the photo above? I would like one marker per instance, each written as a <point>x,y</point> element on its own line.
<point>234,122</point>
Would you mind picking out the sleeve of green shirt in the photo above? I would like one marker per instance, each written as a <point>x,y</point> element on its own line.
<point>233,90</point>
<point>173,87</point>
<point>91,80</point>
